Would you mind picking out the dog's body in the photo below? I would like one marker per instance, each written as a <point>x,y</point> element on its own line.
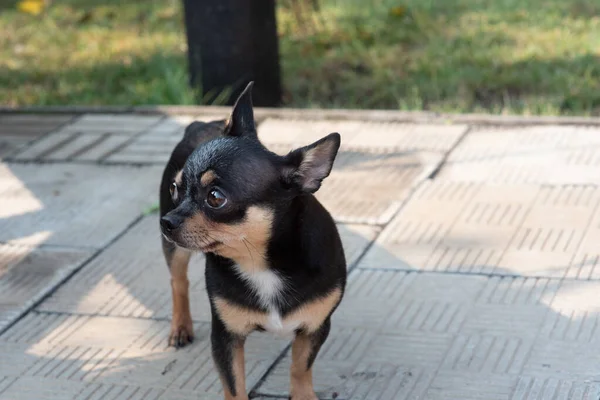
<point>274,258</point>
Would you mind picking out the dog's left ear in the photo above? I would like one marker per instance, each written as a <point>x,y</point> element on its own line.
<point>241,121</point>
<point>306,167</point>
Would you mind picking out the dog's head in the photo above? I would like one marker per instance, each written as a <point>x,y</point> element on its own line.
<point>228,192</point>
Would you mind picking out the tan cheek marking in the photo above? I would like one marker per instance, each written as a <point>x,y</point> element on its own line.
<point>208,177</point>
<point>313,314</point>
<point>238,319</point>
<point>245,243</point>
<point>249,240</point>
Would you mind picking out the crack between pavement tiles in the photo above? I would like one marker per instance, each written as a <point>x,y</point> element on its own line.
<point>444,159</point>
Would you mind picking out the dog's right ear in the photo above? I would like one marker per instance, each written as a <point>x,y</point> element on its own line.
<point>241,121</point>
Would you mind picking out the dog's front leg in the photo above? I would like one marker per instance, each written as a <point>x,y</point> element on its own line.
<point>305,348</point>
<point>182,329</point>
<point>228,354</point>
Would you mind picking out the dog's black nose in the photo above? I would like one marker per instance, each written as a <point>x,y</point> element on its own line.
<point>170,222</point>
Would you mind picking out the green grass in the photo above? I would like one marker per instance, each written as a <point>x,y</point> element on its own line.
<point>94,52</point>
<point>499,56</point>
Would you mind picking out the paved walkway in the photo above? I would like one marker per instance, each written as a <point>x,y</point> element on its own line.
<point>473,251</point>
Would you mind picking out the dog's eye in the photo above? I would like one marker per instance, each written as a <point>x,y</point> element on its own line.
<point>173,190</point>
<point>216,199</point>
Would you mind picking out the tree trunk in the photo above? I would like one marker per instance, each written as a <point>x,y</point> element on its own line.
<point>231,42</point>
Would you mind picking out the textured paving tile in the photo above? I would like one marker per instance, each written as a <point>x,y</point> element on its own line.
<point>539,154</point>
<point>131,280</point>
<point>70,354</point>
<point>156,144</point>
<point>370,188</point>
<point>412,238</point>
<point>552,231</point>
<point>533,388</point>
<point>88,138</point>
<point>27,274</point>
<point>444,336</point>
<point>585,263</point>
<point>454,385</point>
<point>556,358</point>
<point>576,309</point>
<point>35,388</point>
<point>18,130</point>
<point>468,227</point>
<point>372,136</point>
<point>72,205</point>
<point>39,388</point>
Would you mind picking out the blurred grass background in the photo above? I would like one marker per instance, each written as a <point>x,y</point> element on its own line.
<point>498,56</point>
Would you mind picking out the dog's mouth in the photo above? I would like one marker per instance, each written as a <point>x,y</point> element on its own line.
<point>205,248</point>
<point>167,237</point>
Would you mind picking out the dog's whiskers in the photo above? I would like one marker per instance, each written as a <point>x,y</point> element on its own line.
<point>249,252</point>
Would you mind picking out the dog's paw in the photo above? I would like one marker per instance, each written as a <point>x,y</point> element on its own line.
<point>181,336</point>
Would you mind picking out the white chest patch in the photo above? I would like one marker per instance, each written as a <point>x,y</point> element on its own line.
<point>267,286</point>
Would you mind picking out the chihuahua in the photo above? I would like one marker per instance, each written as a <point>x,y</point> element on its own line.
<point>274,258</point>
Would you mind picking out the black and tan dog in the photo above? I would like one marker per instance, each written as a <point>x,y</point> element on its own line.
<point>274,259</point>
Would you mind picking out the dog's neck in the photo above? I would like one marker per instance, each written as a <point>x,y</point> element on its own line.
<point>250,257</point>
<point>265,230</point>
<point>250,246</point>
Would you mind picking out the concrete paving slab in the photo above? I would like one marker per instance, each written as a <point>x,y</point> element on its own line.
<point>575,317</point>
<point>68,352</point>
<point>72,205</point>
<point>27,274</point>
<point>475,386</point>
<point>18,130</point>
<point>131,280</point>
<point>367,136</point>
<point>491,143</point>
<point>505,229</point>
<point>366,188</point>
<point>410,239</point>
<point>156,144</point>
<point>88,138</point>
<point>531,388</point>
<point>539,154</point>
<point>118,124</point>
<point>36,388</point>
